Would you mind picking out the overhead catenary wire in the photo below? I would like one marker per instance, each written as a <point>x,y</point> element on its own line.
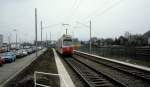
<point>73,10</point>
<point>95,13</point>
<point>50,26</point>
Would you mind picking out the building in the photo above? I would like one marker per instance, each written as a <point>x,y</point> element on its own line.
<point>1,40</point>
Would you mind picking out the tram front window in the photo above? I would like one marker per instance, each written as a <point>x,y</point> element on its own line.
<point>67,42</point>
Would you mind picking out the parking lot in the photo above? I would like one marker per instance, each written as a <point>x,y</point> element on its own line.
<point>9,70</point>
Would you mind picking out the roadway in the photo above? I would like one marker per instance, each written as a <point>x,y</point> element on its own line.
<point>10,70</point>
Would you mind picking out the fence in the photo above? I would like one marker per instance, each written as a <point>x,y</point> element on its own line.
<point>51,74</point>
<point>120,51</point>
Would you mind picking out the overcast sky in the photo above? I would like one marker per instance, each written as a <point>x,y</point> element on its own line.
<point>110,18</point>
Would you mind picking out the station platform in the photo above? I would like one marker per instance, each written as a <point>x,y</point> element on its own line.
<point>65,80</point>
<point>117,61</point>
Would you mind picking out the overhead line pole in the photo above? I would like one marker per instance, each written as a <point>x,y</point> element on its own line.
<point>16,40</point>
<point>46,39</point>
<point>50,36</point>
<point>90,38</point>
<point>66,31</point>
<point>41,32</point>
<point>16,37</point>
<point>9,41</point>
<point>36,30</point>
<point>90,28</point>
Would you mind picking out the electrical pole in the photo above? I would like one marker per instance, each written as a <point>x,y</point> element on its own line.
<point>36,30</point>
<point>66,31</point>
<point>50,37</point>
<point>90,39</point>
<point>9,38</point>
<point>16,37</point>
<point>16,40</point>
<point>20,42</point>
<point>41,33</point>
<point>90,27</point>
<point>46,39</point>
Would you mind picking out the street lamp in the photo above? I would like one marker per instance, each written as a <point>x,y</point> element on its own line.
<point>16,36</point>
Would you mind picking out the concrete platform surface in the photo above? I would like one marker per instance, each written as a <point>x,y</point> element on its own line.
<point>66,81</point>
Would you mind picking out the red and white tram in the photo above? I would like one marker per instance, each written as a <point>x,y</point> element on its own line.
<point>65,45</point>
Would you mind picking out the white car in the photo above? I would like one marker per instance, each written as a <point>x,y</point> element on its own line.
<point>19,53</point>
<point>24,52</point>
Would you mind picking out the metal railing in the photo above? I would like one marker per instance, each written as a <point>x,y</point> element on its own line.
<point>51,74</point>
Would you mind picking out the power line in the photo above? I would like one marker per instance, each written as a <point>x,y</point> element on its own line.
<point>71,9</point>
<point>93,14</point>
<point>53,25</point>
<point>74,9</point>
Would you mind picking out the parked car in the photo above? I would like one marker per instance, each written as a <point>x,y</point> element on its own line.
<point>2,61</point>
<point>19,53</point>
<point>29,50</point>
<point>39,48</point>
<point>25,53</point>
<point>8,56</point>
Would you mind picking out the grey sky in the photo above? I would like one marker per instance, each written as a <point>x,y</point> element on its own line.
<point>110,18</point>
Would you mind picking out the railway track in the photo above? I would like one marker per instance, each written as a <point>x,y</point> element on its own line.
<point>128,76</point>
<point>145,75</point>
<point>91,76</point>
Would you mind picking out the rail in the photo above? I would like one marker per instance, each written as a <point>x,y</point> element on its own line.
<point>90,76</point>
<point>131,72</point>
